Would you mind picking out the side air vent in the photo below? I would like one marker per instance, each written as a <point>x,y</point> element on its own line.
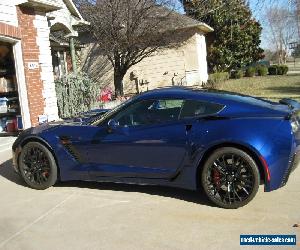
<point>71,149</point>
<point>73,152</point>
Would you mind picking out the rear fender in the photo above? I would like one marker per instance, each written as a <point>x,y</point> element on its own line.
<point>240,133</point>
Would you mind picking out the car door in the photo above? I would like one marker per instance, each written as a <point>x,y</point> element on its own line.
<point>146,140</point>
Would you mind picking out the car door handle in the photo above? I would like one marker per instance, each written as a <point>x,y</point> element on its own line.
<point>188,127</point>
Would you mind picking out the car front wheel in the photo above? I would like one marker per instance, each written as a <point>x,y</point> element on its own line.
<point>37,166</point>
<point>230,178</point>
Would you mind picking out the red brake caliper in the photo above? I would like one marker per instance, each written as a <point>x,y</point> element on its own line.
<point>46,174</point>
<point>216,178</point>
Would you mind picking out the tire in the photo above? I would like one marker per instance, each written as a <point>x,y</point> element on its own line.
<point>230,178</point>
<point>37,166</point>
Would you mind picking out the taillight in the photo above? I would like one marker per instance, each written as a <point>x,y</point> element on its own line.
<point>266,167</point>
<point>294,124</point>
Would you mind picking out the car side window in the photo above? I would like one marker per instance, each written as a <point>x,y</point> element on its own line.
<point>148,112</point>
<point>194,108</point>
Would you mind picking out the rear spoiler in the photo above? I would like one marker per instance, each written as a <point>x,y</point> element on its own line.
<point>292,104</point>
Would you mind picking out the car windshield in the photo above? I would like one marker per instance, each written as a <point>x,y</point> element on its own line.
<point>109,113</point>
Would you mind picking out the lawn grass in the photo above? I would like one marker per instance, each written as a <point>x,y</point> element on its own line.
<point>268,87</point>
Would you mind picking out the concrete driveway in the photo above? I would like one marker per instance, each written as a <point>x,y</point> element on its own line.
<point>5,148</point>
<point>78,215</point>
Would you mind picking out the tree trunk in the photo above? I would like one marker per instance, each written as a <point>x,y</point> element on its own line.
<point>118,82</point>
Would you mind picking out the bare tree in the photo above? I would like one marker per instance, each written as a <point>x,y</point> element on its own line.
<point>298,17</point>
<point>282,29</point>
<point>127,31</point>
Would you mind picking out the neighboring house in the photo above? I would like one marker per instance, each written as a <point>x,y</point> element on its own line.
<point>27,84</point>
<point>182,65</point>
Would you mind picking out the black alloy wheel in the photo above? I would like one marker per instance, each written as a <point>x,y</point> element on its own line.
<point>37,166</point>
<point>230,177</point>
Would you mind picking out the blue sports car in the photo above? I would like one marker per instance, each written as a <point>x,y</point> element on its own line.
<point>224,143</point>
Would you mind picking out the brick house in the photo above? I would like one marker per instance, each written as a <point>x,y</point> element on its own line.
<point>27,89</point>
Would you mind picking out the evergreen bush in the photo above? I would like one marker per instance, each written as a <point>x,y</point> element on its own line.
<point>250,72</point>
<point>237,74</point>
<point>217,78</point>
<point>272,70</point>
<point>75,93</point>
<point>262,70</point>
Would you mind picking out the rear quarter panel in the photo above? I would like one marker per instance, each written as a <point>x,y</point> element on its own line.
<point>267,137</point>
<point>278,153</point>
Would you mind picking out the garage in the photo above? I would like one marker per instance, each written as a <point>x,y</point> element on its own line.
<point>10,112</point>
<point>27,87</point>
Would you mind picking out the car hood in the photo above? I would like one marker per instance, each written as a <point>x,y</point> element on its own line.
<point>38,130</point>
<point>83,119</point>
<point>52,125</point>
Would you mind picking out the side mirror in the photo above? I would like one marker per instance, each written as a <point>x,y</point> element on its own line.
<point>112,124</point>
<point>78,119</point>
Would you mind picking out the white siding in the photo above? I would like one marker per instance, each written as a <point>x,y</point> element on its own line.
<point>45,61</point>
<point>164,68</point>
<point>8,12</point>
<point>202,57</point>
<point>185,65</point>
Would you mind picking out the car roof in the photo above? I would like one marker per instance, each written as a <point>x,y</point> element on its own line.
<point>229,99</point>
<point>202,93</point>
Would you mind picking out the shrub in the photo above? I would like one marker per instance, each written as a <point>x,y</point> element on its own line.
<point>282,69</point>
<point>250,72</point>
<point>237,74</point>
<point>285,69</point>
<point>262,70</point>
<point>272,70</point>
<point>75,93</point>
<point>216,78</point>
<point>278,70</point>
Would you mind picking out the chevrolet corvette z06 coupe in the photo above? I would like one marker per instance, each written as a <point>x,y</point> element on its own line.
<point>223,143</point>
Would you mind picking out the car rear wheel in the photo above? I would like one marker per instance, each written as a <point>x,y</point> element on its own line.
<point>230,178</point>
<point>37,166</point>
